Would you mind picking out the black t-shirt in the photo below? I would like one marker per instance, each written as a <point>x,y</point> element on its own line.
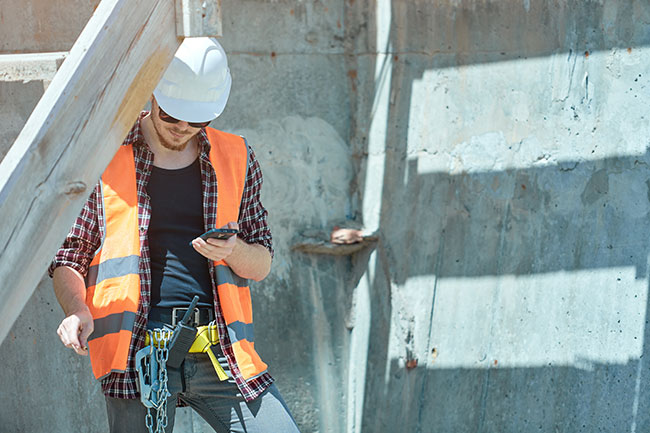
<point>178,272</point>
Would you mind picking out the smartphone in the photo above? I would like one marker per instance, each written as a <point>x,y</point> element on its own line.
<point>219,234</point>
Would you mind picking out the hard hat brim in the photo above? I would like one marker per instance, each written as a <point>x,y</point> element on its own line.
<point>193,111</point>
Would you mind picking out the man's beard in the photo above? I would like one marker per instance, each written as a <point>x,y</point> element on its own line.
<point>168,145</point>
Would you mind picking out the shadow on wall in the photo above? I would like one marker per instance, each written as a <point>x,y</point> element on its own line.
<point>492,31</point>
<point>574,215</point>
<point>458,229</point>
<point>605,398</point>
<point>553,218</point>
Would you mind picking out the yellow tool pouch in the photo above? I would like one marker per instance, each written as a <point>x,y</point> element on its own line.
<point>207,336</point>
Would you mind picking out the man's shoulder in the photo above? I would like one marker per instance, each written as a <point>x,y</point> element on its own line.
<point>225,143</point>
<point>222,134</point>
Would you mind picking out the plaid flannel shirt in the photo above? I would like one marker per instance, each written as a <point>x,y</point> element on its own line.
<point>85,236</point>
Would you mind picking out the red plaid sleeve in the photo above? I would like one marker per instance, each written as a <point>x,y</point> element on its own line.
<point>253,223</point>
<point>82,241</point>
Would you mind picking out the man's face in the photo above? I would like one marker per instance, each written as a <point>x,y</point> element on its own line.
<point>173,136</point>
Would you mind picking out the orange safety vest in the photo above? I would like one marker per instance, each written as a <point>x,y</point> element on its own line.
<point>113,280</point>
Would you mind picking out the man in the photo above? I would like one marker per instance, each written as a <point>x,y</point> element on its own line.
<point>134,259</point>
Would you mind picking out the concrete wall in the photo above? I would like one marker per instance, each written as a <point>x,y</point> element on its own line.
<point>499,150</point>
<point>506,172</point>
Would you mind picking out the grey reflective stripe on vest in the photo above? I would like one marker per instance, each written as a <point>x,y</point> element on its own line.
<point>241,331</point>
<point>226,276</point>
<point>111,268</point>
<point>112,324</point>
<point>236,330</point>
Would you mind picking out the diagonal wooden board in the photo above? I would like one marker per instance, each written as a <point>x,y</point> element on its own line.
<point>73,134</point>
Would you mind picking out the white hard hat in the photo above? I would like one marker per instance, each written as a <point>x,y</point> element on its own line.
<point>196,85</point>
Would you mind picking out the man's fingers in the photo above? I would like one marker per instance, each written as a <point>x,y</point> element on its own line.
<point>211,245</point>
<point>81,351</point>
<point>72,333</point>
<point>63,336</point>
<point>219,243</point>
<point>83,336</point>
<point>74,341</point>
<point>70,330</point>
<point>200,243</point>
<point>216,251</point>
<point>227,244</point>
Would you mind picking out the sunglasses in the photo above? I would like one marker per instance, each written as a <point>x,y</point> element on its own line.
<point>169,119</point>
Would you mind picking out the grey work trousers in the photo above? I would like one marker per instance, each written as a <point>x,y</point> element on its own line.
<point>220,404</point>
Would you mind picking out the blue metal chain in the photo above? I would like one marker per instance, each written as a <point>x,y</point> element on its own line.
<point>151,364</point>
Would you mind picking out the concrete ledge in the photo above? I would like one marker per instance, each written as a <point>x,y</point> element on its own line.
<point>30,67</point>
<point>313,246</point>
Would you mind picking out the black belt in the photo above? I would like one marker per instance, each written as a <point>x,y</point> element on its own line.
<point>201,316</point>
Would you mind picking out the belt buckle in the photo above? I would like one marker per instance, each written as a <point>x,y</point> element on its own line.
<point>197,315</point>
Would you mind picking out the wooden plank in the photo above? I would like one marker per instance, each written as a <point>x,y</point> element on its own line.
<point>198,18</point>
<point>73,133</point>
<point>30,67</point>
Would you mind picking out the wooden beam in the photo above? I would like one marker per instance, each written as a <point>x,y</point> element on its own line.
<point>198,18</point>
<point>73,133</point>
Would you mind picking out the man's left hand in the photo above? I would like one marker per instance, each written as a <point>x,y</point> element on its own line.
<point>217,249</point>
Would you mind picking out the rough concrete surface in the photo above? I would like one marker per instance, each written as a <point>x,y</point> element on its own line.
<point>500,151</point>
<point>36,26</point>
<point>17,100</point>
